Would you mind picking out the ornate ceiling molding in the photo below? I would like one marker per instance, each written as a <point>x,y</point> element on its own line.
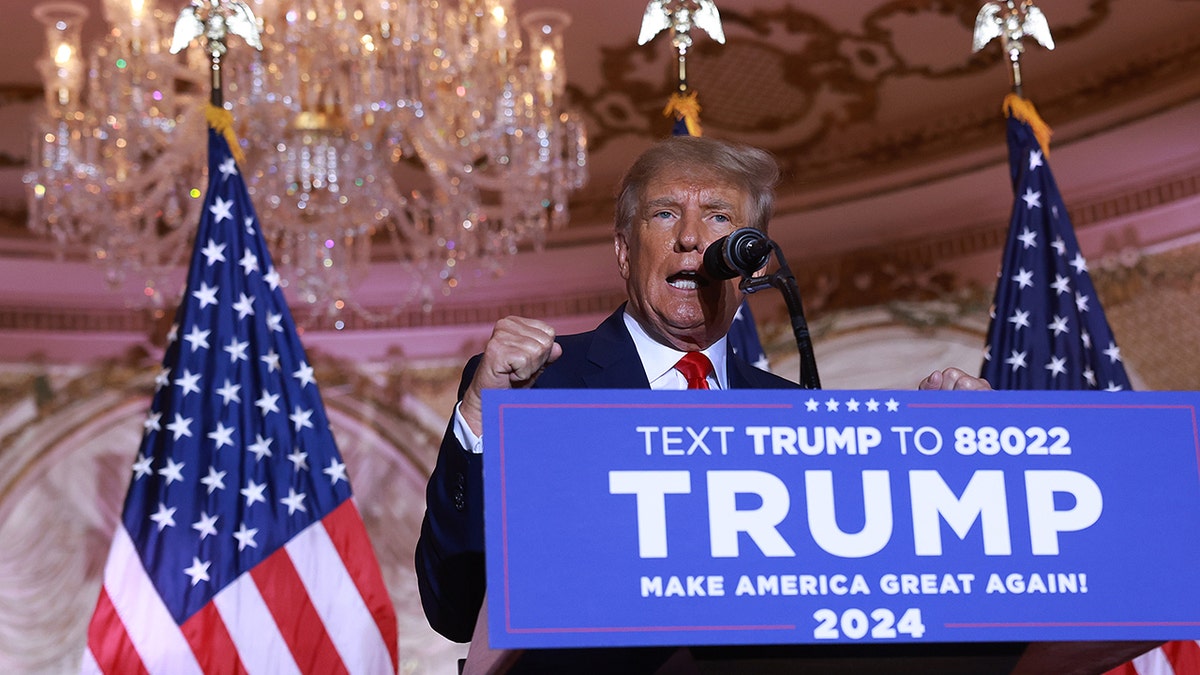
<point>910,270</point>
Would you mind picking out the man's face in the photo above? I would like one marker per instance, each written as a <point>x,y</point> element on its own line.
<point>661,258</point>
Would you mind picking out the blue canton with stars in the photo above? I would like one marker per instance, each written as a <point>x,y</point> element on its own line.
<point>1047,330</point>
<point>237,456</point>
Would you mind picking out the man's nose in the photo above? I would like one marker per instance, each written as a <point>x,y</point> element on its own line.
<point>689,233</point>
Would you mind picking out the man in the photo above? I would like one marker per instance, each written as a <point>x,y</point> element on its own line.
<point>677,198</point>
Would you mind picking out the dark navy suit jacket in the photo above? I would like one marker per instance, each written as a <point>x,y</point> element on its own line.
<point>449,557</point>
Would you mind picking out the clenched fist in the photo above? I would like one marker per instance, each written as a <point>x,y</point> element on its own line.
<point>516,353</point>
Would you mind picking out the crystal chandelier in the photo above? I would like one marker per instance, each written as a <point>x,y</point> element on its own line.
<point>421,132</point>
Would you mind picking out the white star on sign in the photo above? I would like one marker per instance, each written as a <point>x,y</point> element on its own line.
<point>831,405</point>
<point>207,295</point>
<point>198,571</point>
<point>294,501</point>
<point>811,405</point>
<point>893,405</point>
<point>221,209</point>
<point>872,405</point>
<point>852,405</point>
<point>1032,199</point>
<point>214,252</point>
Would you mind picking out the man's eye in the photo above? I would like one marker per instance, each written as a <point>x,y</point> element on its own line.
<point>721,218</point>
<point>663,214</point>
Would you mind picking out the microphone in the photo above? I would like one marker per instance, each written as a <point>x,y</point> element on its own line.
<point>740,253</point>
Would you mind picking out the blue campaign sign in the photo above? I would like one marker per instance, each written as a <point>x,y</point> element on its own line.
<point>738,517</point>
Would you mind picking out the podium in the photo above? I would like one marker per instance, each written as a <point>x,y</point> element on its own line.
<point>861,532</point>
<point>996,658</point>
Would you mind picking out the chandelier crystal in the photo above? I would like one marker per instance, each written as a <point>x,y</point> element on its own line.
<point>420,132</point>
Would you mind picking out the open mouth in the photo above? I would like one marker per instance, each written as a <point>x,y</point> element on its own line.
<point>687,280</point>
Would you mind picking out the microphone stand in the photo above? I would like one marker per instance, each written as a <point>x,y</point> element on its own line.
<point>785,281</point>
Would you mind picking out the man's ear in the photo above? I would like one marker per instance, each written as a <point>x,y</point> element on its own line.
<point>621,247</point>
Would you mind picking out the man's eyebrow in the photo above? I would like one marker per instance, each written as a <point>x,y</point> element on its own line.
<point>718,203</point>
<point>662,201</point>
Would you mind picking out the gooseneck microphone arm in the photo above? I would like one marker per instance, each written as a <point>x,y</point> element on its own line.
<point>744,252</point>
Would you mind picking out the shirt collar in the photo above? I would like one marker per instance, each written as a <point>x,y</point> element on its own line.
<point>659,360</point>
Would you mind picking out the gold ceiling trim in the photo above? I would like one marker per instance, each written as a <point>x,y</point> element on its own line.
<point>907,270</point>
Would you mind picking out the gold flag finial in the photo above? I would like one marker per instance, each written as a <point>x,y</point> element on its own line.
<point>1011,22</point>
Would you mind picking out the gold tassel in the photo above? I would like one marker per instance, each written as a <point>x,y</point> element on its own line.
<point>1023,110</point>
<point>221,121</point>
<point>685,107</point>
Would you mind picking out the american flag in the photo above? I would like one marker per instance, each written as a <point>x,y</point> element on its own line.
<point>240,548</point>
<point>743,337</point>
<point>1048,330</point>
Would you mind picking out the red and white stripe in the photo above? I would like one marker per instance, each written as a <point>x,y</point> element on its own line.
<point>1180,657</point>
<point>318,605</point>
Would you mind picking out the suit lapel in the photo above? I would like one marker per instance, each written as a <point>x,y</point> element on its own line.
<point>613,357</point>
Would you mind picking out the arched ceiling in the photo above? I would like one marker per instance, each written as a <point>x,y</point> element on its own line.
<point>887,126</point>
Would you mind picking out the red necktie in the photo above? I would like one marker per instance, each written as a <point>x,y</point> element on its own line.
<point>695,367</point>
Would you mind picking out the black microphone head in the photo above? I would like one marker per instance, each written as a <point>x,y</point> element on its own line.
<point>741,253</point>
<point>715,262</point>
